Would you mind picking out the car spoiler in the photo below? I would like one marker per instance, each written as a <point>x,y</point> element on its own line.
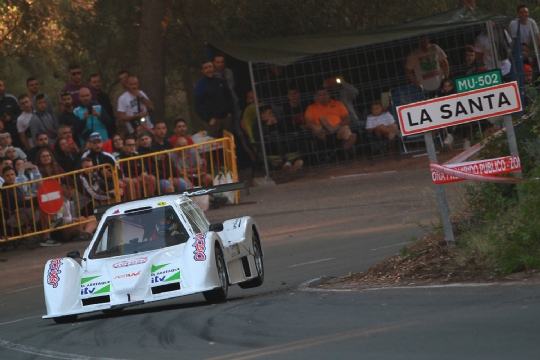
<point>100,210</point>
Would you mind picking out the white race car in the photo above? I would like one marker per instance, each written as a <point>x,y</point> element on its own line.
<point>154,249</point>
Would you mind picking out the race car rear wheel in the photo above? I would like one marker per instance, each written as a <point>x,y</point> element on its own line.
<point>219,294</point>
<point>259,265</point>
<point>65,319</point>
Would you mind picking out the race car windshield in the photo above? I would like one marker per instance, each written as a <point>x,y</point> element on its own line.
<point>139,231</point>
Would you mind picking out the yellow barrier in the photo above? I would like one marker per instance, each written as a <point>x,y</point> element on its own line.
<point>132,178</point>
<point>22,216</point>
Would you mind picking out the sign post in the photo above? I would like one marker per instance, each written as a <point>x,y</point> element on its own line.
<point>478,102</point>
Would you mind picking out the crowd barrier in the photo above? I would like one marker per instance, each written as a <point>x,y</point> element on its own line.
<point>201,164</point>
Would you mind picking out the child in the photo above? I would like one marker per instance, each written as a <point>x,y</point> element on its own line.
<point>381,123</point>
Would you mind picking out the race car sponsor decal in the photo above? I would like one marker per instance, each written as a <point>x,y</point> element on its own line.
<point>129,275</point>
<point>200,247</point>
<point>157,267</point>
<point>87,279</point>
<point>161,203</point>
<point>96,291</point>
<point>237,223</point>
<point>163,278</point>
<point>130,262</point>
<point>52,275</point>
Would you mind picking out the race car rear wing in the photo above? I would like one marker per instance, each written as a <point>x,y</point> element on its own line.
<point>100,210</point>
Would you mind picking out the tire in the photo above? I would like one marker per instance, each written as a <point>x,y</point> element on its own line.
<point>65,319</point>
<point>259,265</point>
<point>219,294</point>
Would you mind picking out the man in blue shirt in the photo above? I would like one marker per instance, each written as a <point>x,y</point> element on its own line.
<point>95,116</point>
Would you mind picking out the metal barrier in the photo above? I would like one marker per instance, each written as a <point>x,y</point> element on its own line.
<point>22,216</point>
<point>132,178</point>
<point>177,169</point>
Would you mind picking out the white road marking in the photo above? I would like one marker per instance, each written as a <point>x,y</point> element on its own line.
<point>356,175</point>
<point>47,353</point>
<point>26,288</point>
<point>311,262</point>
<point>389,246</point>
<point>14,321</point>
<point>305,286</point>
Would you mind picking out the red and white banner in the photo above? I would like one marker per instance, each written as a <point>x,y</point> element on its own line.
<point>489,167</point>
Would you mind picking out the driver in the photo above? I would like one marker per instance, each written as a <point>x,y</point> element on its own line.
<point>167,228</point>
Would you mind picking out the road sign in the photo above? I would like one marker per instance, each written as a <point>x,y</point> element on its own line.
<point>478,81</point>
<point>459,108</point>
<point>502,165</point>
<point>50,197</point>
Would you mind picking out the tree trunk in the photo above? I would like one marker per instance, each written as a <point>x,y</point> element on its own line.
<point>152,54</point>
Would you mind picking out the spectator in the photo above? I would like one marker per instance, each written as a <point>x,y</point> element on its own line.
<point>68,213</point>
<point>250,99</point>
<point>528,28</point>
<point>332,117</point>
<point>180,131</point>
<point>10,153</point>
<point>123,75</point>
<point>381,124</point>
<point>65,132</point>
<point>9,113</point>
<point>214,102</point>
<point>274,86</point>
<point>469,67</point>
<point>23,122</point>
<point>226,74</point>
<point>69,118</point>
<point>275,144</point>
<point>190,165</point>
<point>6,141</point>
<point>531,90</point>
<point>134,107</point>
<point>96,188</point>
<point>133,173</point>
<point>42,121</point>
<point>27,172</point>
<point>42,141</point>
<point>103,100</point>
<point>33,90</point>
<point>160,137</point>
<point>501,40</point>
<point>293,112</point>
<point>75,85</point>
<point>346,94</point>
<point>114,146</point>
<point>66,158</point>
<point>96,153</point>
<point>426,66</point>
<point>4,162</point>
<point>525,56</point>
<point>47,164</point>
<point>160,166</point>
<point>94,115</point>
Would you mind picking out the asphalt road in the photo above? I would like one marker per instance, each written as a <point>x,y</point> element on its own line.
<point>324,227</point>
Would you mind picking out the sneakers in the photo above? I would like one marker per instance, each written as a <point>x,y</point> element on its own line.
<point>287,166</point>
<point>349,142</point>
<point>50,242</point>
<point>57,223</point>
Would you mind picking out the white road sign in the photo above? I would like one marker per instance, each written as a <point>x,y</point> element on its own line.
<point>459,108</point>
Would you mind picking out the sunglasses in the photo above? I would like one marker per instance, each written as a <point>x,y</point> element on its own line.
<point>76,73</point>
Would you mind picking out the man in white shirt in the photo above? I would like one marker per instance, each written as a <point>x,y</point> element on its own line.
<point>23,122</point>
<point>427,65</point>
<point>134,107</point>
<point>381,123</point>
<point>482,47</point>
<point>528,28</point>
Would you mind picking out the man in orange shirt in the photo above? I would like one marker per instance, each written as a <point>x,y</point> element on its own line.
<point>329,116</point>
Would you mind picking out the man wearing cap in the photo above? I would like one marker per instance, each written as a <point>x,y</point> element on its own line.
<point>94,115</point>
<point>214,102</point>
<point>96,152</point>
<point>329,116</point>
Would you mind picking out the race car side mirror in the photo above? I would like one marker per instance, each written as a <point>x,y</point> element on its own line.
<point>217,227</point>
<point>74,254</point>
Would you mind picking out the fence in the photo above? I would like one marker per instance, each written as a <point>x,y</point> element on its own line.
<point>132,178</point>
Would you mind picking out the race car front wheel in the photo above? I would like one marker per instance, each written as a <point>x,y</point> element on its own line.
<point>65,319</point>
<point>219,294</point>
<point>258,258</point>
